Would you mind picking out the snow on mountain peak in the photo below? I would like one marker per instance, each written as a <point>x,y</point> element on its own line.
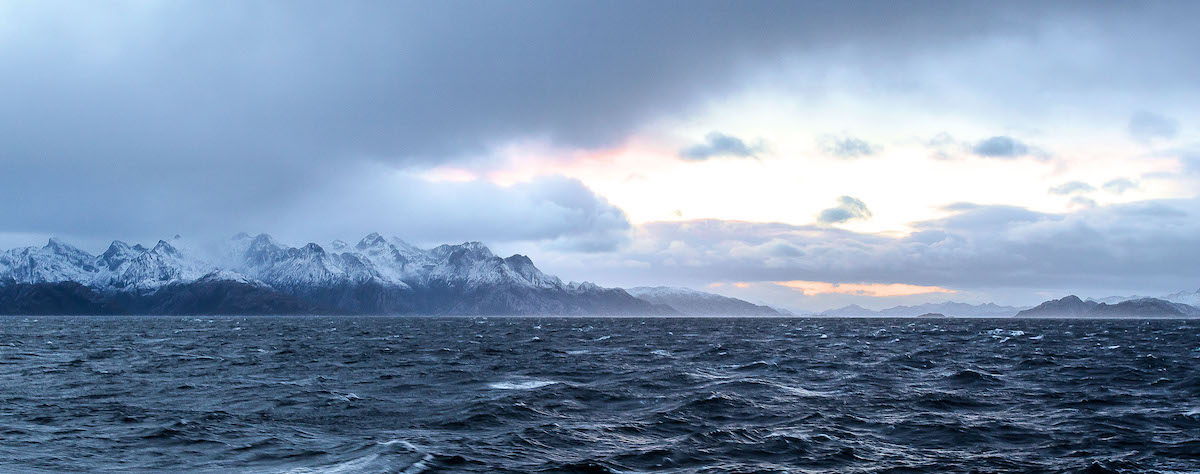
<point>165,248</point>
<point>117,254</point>
<point>389,262</point>
<point>372,240</point>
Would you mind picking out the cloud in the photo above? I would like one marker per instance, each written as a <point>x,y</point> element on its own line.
<point>1120,185</point>
<point>1082,201</point>
<point>1150,245</point>
<point>1000,147</point>
<point>1148,126</point>
<point>187,113</point>
<point>557,212</point>
<point>553,211</point>
<point>943,146</point>
<point>717,144</point>
<point>870,289</point>
<point>847,147</point>
<point>848,208</point>
<point>1073,187</point>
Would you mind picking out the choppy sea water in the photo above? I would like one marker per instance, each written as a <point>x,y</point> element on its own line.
<point>382,394</point>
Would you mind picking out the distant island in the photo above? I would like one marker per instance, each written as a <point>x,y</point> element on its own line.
<point>1073,307</point>
<point>1169,306</point>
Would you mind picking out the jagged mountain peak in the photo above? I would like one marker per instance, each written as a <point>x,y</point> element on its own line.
<point>583,286</point>
<point>118,253</point>
<point>313,248</point>
<point>264,239</point>
<point>165,248</point>
<point>386,276</point>
<point>118,245</point>
<point>372,240</point>
<point>256,252</point>
<point>62,248</point>
<point>463,251</point>
<point>519,260</point>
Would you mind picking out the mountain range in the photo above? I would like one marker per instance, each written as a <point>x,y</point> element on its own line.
<point>948,308</point>
<point>1073,307</point>
<point>1170,306</point>
<point>1191,298</point>
<point>259,275</point>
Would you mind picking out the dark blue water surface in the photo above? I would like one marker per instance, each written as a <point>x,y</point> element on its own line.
<point>383,394</point>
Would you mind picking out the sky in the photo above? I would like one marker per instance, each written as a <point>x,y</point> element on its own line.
<point>803,154</point>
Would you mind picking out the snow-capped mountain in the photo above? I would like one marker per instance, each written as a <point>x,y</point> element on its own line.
<point>1191,298</point>
<point>377,275</point>
<point>691,302</point>
<point>122,266</point>
<point>57,261</point>
<point>1115,299</point>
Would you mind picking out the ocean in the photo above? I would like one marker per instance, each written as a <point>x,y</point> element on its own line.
<point>550,394</point>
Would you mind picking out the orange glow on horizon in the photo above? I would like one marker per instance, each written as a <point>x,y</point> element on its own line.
<point>810,288</point>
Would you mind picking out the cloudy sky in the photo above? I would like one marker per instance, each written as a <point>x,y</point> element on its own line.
<point>808,155</point>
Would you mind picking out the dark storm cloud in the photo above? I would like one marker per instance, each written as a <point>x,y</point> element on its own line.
<point>560,212</point>
<point>848,208</point>
<point>717,144</point>
<point>1000,147</point>
<point>1147,126</point>
<point>847,147</point>
<point>132,118</point>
